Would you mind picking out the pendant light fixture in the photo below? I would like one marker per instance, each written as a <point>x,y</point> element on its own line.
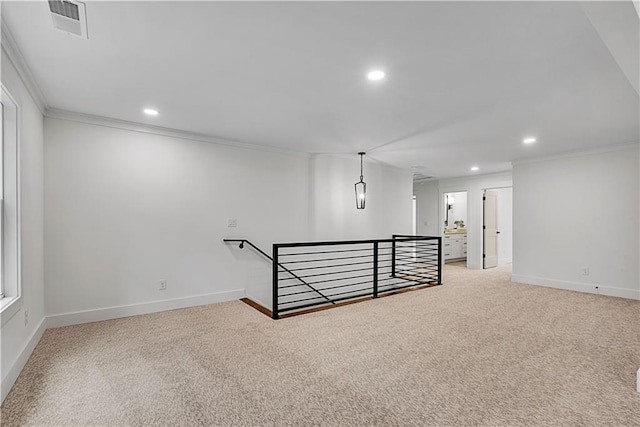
<point>361,187</point>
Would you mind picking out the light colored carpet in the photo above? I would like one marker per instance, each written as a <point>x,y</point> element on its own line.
<point>476,351</point>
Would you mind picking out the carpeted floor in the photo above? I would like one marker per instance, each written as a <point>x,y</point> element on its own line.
<point>476,351</point>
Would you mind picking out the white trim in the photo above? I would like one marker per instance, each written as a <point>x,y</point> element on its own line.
<point>9,306</point>
<point>600,150</point>
<point>14,54</point>
<point>108,313</point>
<point>577,286</point>
<point>368,158</point>
<point>503,261</point>
<point>13,302</point>
<point>16,367</point>
<point>55,113</point>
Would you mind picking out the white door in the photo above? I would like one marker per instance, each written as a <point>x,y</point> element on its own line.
<point>490,229</point>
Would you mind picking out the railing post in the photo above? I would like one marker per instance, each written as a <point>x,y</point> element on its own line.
<point>274,302</point>
<point>375,269</point>
<point>393,256</point>
<point>439,260</point>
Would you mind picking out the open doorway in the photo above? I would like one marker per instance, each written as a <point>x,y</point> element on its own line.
<point>454,240</point>
<point>497,227</point>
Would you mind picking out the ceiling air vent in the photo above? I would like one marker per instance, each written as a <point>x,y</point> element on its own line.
<point>69,16</point>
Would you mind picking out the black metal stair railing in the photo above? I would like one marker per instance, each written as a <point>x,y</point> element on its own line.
<point>316,274</point>
<point>345,270</point>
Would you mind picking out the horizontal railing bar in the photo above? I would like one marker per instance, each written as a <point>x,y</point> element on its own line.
<point>420,257</point>
<point>334,272</point>
<point>385,257</point>
<point>432,254</point>
<point>414,273</point>
<point>354,242</point>
<point>413,266</point>
<point>327,288</point>
<point>329,280</point>
<point>416,249</point>
<point>326,259</point>
<point>344,271</point>
<point>327,252</point>
<point>425,257</point>
<point>328,266</point>
<point>382,251</point>
<point>331,266</point>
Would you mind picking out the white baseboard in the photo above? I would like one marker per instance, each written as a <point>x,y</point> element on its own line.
<point>577,286</point>
<point>108,313</point>
<point>15,369</point>
<point>503,261</point>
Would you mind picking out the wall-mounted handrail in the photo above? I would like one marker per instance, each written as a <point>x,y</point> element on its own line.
<point>241,246</point>
<point>243,241</point>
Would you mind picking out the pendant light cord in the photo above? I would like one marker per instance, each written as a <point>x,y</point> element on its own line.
<point>361,175</point>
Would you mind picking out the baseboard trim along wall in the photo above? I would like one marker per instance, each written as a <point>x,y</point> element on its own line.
<point>577,286</point>
<point>13,372</point>
<point>108,313</point>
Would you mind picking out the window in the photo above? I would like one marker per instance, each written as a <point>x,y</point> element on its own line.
<point>10,289</point>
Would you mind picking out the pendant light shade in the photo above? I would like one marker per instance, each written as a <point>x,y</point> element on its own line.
<point>361,188</point>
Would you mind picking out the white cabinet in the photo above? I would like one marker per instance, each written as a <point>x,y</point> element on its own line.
<point>454,246</point>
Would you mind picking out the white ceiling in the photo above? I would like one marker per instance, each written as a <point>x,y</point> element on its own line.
<point>467,81</point>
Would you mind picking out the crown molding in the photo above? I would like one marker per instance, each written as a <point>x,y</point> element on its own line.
<point>370,159</point>
<point>71,116</point>
<point>567,155</point>
<point>14,54</point>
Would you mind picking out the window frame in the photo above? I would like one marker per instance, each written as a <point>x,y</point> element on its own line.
<point>10,240</point>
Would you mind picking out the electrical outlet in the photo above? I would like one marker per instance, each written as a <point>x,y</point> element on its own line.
<point>163,285</point>
<point>585,271</point>
<point>26,317</point>
<point>232,223</point>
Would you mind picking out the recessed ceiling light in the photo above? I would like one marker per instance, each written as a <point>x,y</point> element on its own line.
<point>529,140</point>
<point>376,75</point>
<point>474,168</point>
<point>150,112</point>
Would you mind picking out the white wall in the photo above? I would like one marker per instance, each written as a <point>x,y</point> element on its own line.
<point>334,214</point>
<point>428,197</point>
<point>18,338</point>
<point>126,209</point>
<point>474,186</point>
<point>576,212</point>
